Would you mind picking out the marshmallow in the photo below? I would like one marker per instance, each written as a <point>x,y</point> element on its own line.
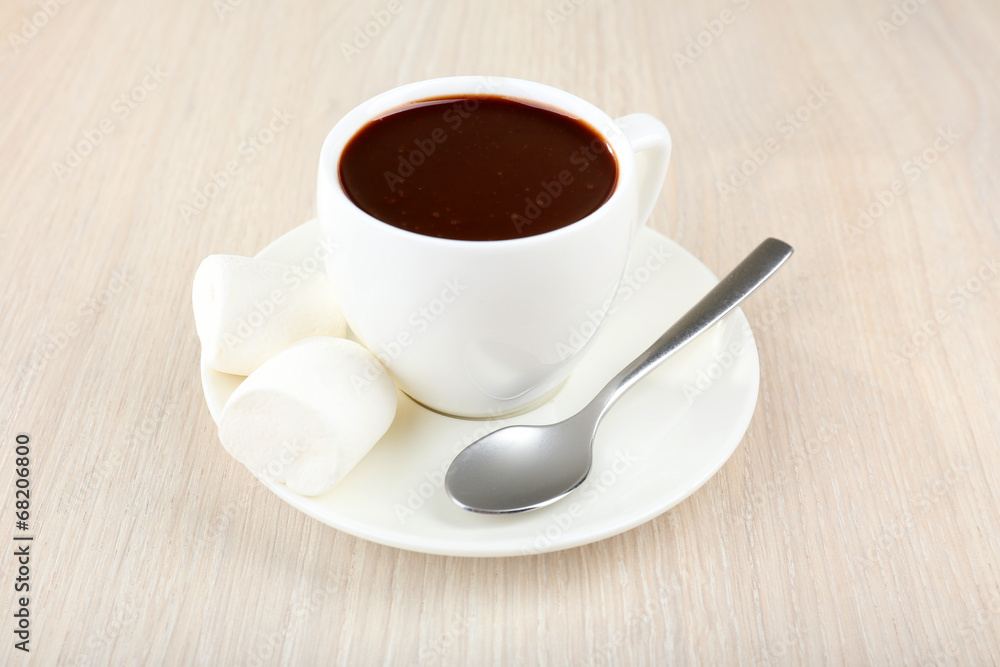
<point>246,310</point>
<point>309,414</point>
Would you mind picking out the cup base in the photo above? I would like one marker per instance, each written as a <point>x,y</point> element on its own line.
<point>537,403</point>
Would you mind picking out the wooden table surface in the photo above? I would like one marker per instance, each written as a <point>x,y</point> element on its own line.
<point>857,523</point>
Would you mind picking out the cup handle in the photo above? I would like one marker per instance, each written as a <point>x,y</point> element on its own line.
<point>650,141</point>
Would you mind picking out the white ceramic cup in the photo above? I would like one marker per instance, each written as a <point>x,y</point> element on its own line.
<point>486,328</point>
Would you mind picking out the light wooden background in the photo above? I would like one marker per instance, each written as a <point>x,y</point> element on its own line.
<point>857,523</point>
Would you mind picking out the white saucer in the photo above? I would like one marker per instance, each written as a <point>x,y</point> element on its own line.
<point>662,441</point>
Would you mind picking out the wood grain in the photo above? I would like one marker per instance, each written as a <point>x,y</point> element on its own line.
<point>858,522</point>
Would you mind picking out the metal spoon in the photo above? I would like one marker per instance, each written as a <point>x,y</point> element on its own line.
<point>521,468</point>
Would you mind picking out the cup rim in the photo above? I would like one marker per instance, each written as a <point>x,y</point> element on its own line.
<point>508,87</point>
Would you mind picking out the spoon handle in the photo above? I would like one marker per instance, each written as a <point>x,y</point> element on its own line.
<point>748,275</point>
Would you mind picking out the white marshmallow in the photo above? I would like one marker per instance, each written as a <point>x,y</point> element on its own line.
<point>309,414</point>
<point>246,310</point>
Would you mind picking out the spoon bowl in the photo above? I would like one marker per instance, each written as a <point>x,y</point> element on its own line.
<point>538,465</point>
